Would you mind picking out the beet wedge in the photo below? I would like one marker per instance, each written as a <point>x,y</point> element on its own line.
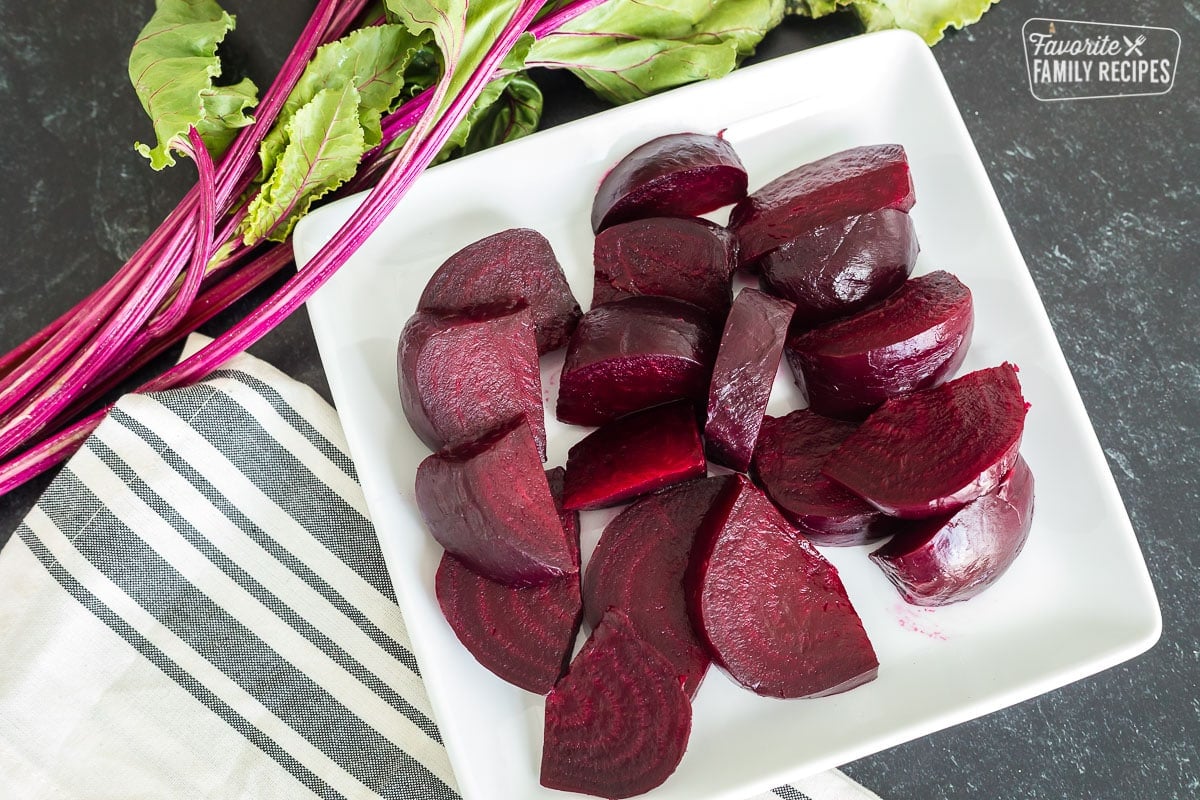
<point>747,361</point>
<point>915,339</point>
<point>771,610</point>
<point>932,452</point>
<point>638,567</point>
<point>490,505</point>
<point>618,723</point>
<point>949,559</point>
<point>515,266</point>
<point>678,175</point>
<point>633,455</point>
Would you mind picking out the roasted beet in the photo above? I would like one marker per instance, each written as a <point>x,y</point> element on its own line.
<point>618,722</point>
<point>489,503</point>
<point>633,354</point>
<point>634,455</point>
<point>678,175</point>
<point>510,267</point>
<point>854,181</point>
<point>836,269</point>
<point>638,567</point>
<point>688,259</point>
<point>787,465</point>
<point>934,451</point>
<point>771,610</point>
<point>742,376</point>
<point>947,559</point>
<point>524,634</point>
<point>462,375</point>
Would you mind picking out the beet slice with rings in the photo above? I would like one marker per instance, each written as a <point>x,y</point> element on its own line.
<point>677,175</point>
<point>771,610</point>
<point>463,375</point>
<point>934,451</point>
<point>853,181</point>
<point>688,259</point>
<point>638,567</point>
<point>634,455</point>
<point>787,465</point>
<point>949,559</point>
<point>633,354</point>
<point>747,361</point>
<point>914,339</point>
<point>489,504</point>
<point>515,266</point>
<point>618,722</point>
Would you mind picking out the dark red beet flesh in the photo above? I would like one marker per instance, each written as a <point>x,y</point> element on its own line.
<point>489,503</point>
<point>834,270</point>
<point>524,634</point>
<point>510,267</point>
<point>854,181</point>
<point>634,455</point>
<point>787,465</point>
<point>770,608</point>
<point>638,567</point>
<point>948,559</point>
<point>678,175</point>
<point>462,375</point>
<point>912,340</point>
<point>688,259</point>
<point>742,376</point>
<point>618,723</point>
<point>934,451</point>
<point>633,354</point>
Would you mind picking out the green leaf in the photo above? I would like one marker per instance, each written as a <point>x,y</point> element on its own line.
<point>172,67</point>
<point>927,18</point>
<point>514,114</point>
<point>814,8</point>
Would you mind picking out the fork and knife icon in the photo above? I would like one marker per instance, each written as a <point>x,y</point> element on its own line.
<point>1132,47</point>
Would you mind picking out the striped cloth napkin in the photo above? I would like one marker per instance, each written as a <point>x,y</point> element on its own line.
<point>198,608</point>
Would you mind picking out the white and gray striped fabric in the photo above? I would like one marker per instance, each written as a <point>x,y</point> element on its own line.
<point>198,608</point>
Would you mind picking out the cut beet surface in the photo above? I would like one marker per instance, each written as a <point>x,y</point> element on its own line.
<point>934,451</point>
<point>463,375</point>
<point>634,455</point>
<point>516,266</point>
<point>633,354</point>
<point>524,634</point>
<point>618,723</point>
<point>678,175</point>
<point>638,567</point>
<point>772,611</point>
<point>948,559</point>
<point>489,503</point>
<point>688,259</point>
<point>745,369</point>
<point>914,339</point>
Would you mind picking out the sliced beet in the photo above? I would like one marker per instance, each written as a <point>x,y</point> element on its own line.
<point>523,634</point>
<point>787,465</point>
<point>510,267</point>
<point>771,610</point>
<point>932,452</point>
<point>688,259</point>
<point>489,503</point>
<point>747,361</point>
<point>836,269</point>
<point>618,722</point>
<point>914,339</point>
<point>638,567</point>
<point>634,455</point>
<point>633,354</point>
<point>854,181</point>
<point>678,175</point>
<point>947,559</point>
<point>462,375</point>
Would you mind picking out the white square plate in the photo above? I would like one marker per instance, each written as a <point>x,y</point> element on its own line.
<point>1078,599</point>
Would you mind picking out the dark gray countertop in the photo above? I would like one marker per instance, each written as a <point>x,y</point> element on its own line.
<point>1104,199</point>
